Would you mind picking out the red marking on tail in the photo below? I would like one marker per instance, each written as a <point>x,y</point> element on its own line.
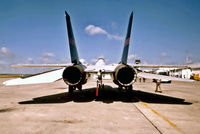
<point>72,41</point>
<point>127,42</point>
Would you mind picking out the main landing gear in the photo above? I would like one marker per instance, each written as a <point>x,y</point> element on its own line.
<point>72,88</point>
<point>127,88</point>
<point>99,82</point>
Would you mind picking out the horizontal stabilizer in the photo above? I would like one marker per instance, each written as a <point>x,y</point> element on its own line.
<point>161,66</point>
<point>46,77</point>
<point>157,76</point>
<point>40,65</point>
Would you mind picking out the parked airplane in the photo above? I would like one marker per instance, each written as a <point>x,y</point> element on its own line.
<point>76,74</point>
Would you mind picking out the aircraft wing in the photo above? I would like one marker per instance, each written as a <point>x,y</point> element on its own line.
<point>45,77</point>
<point>157,76</point>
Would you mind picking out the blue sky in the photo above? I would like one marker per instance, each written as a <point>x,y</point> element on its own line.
<point>163,32</point>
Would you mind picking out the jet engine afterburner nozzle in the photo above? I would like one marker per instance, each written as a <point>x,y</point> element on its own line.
<point>125,75</point>
<point>74,75</point>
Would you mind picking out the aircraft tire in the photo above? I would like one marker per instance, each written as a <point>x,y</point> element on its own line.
<point>80,87</point>
<point>71,89</point>
<point>129,88</point>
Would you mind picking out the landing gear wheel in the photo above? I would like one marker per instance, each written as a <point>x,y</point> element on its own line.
<point>102,86</point>
<point>129,88</point>
<point>120,88</point>
<point>71,89</point>
<point>79,87</point>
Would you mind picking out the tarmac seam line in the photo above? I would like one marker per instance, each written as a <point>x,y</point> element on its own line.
<point>148,119</point>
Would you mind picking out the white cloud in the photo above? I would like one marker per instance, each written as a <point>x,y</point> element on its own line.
<point>44,60</point>
<point>145,62</point>
<point>92,30</point>
<point>6,68</point>
<point>63,61</point>
<point>115,37</point>
<point>6,59</point>
<point>30,60</point>
<point>47,58</point>
<point>132,56</point>
<point>93,61</point>
<point>189,58</point>
<point>163,54</point>
<point>114,25</point>
<point>47,54</point>
<point>6,53</point>
<point>3,63</point>
<point>4,50</point>
<point>164,57</point>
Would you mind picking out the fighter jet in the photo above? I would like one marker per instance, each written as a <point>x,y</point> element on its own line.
<point>76,73</point>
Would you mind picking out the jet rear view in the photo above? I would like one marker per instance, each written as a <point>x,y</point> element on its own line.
<point>76,74</point>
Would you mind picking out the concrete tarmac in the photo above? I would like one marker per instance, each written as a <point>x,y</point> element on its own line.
<point>50,109</point>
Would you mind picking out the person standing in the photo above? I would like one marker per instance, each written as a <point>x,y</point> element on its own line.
<point>158,88</point>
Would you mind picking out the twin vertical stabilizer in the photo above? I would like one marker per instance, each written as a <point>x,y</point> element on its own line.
<point>72,43</point>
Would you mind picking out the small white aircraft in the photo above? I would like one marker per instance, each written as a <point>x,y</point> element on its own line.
<point>76,74</point>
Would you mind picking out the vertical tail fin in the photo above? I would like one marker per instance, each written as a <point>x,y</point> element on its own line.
<point>72,43</point>
<point>127,40</point>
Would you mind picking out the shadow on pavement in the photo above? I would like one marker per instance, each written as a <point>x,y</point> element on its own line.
<point>106,95</point>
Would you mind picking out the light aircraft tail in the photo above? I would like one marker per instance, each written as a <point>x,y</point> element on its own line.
<point>127,40</point>
<point>72,43</point>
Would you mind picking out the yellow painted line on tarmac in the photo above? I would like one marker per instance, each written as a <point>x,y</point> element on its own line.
<point>164,118</point>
